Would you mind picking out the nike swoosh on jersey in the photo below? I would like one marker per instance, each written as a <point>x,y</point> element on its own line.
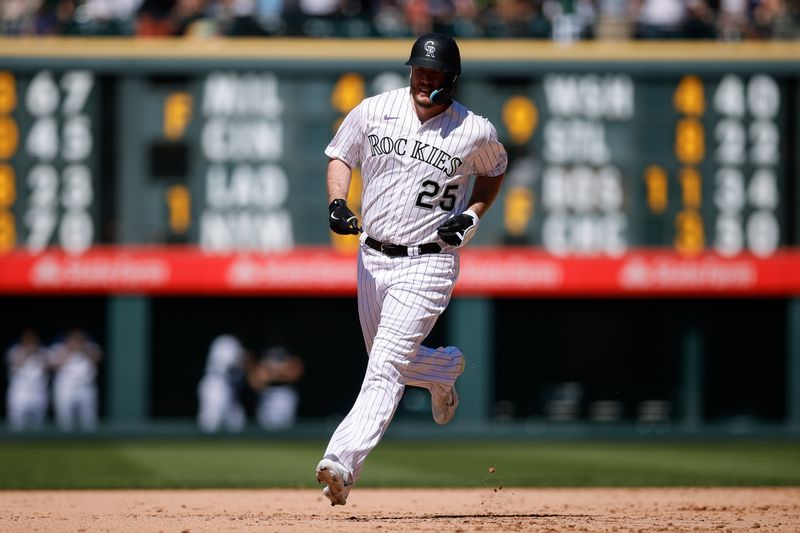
<point>387,117</point>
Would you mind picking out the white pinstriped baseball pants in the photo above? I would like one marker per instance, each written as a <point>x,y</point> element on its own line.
<point>399,301</point>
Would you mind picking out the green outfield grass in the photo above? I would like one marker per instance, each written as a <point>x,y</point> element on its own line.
<point>256,464</point>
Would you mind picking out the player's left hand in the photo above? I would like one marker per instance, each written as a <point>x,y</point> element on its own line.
<point>459,230</point>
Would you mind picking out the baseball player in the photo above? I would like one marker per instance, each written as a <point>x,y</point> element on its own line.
<point>28,374</point>
<point>274,378</point>
<point>418,149</point>
<point>219,406</point>
<point>75,362</point>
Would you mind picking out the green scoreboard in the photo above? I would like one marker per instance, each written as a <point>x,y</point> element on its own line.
<point>646,167</point>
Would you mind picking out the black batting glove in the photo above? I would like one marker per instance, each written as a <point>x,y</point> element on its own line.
<point>342,220</point>
<point>459,230</point>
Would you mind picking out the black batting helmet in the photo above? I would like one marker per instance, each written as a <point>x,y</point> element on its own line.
<point>437,51</point>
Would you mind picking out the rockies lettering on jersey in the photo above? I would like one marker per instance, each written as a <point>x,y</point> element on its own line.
<point>415,175</point>
<point>436,157</point>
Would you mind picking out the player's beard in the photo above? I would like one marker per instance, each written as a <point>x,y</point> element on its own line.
<point>422,100</point>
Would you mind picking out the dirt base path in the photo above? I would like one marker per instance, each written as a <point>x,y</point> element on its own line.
<point>385,510</point>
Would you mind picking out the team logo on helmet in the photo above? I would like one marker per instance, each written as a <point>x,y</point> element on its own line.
<point>430,49</point>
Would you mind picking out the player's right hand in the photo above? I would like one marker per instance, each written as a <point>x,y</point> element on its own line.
<point>341,219</point>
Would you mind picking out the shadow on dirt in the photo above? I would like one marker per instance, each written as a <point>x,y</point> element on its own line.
<point>463,516</point>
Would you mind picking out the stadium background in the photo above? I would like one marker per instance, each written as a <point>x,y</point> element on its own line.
<point>638,275</point>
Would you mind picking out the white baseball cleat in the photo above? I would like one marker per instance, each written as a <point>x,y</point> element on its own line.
<point>444,406</point>
<point>338,480</point>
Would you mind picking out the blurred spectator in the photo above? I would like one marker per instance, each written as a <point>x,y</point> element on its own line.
<point>355,18</point>
<point>105,17</point>
<point>269,14</point>
<point>466,23</point>
<point>517,19</point>
<point>75,363</point>
<point>453,17</point>
<point>684,19</point>
<point>701,20</point>
<point>658,19</point>
<point>16,16</point>
<point>55,17</point>
<point>154,18</point>
<point>218,392</point>
<point>329,18</point>
<point>26,396</point>
<point>119,10</point>
<point>418,16</point>
<point>189,18</point>
<point>240,18</point>
<point>273,377</point>
<point>775,19</point>
<point>612,21</point>
<point>731,19</point>
<point>389,19</point>
<point>572,20</point>
<point>314,18</point>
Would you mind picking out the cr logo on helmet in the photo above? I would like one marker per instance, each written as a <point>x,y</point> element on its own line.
<point>430,49</point>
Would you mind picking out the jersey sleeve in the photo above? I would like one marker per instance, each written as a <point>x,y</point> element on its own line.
<point>491,158</point>
<point>347,144</point>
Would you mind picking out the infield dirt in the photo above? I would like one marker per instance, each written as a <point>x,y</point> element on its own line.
<point>384,510</point>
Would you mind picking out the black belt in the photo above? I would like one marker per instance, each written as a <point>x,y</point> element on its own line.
<point>398,250</point>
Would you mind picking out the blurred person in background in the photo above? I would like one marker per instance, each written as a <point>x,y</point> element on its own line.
<point>658,19</point>
<point>389,19</point>
<point>678,19</point>
<point>74,362</point>
<point>312,18</point>
<point>355,18</point>
<point>56,17</point>
<point>191,18</point>
<point>418,16</point>
<point>466,18</point>
<point>273,378</point>
<point>329,18</point>
<point>774,19</point>
<point>270,16</point>
<point>572,20</point>
<point>612,20</point>
<point>731,19</point>
<point>701,20</point>
<point>218,391</point>
<point>241,18</point>
<point>456,17</point>
<point>105,17</point>
<point>16,16</point>
<point>154,19</point>
<point>28,372</point>
<point>514,19</point>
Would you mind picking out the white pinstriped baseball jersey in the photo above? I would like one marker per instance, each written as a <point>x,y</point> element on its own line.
<point>415,175</point>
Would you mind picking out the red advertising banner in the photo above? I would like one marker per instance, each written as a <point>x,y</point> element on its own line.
<point>321,271</point>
